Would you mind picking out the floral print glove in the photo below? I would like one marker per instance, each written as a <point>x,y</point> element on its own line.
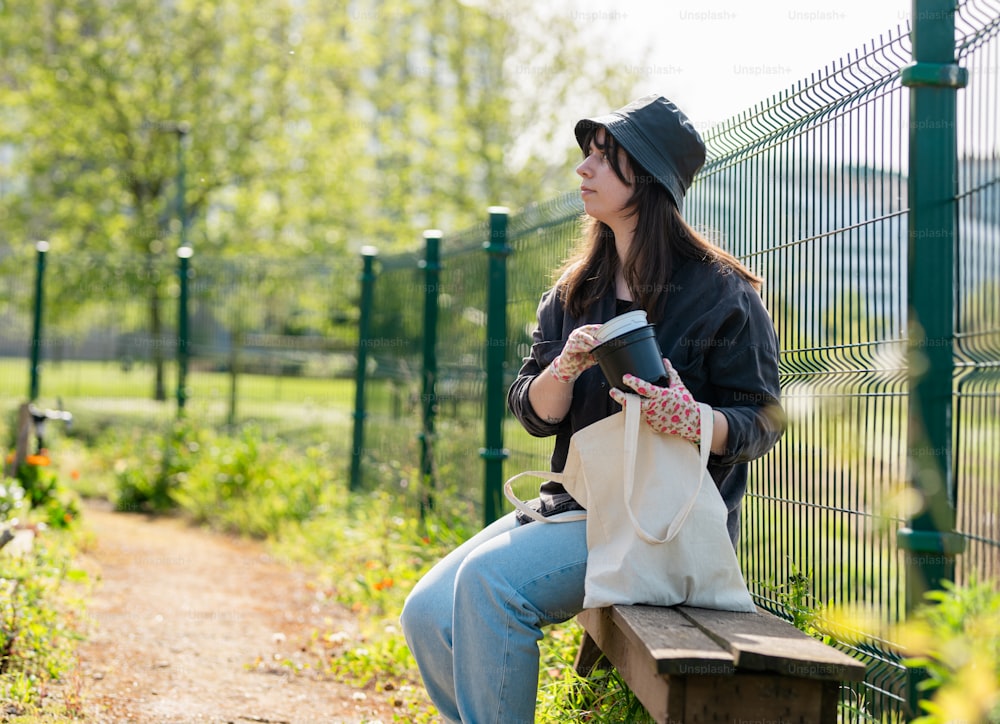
<point>575,356</point>
<point>672,409</point>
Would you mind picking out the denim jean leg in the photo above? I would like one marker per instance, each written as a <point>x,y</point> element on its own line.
<point>506,590</point>
<point>427,616</point>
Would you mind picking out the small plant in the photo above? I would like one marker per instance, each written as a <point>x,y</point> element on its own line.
<point>800,606</point>
<point>11,499</point>
<point>37,493</point>
<point>152,468</point>
<point>954,645</point>
<point>601,697</point>
<point>248,484</point>
<point>38,626</point>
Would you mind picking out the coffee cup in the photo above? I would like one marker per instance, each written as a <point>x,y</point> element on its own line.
<point>622,324</point>
<point>628,346</point>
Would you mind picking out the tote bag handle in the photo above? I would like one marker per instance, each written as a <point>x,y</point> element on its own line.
<point>632,409</point>
<point>508,491</point>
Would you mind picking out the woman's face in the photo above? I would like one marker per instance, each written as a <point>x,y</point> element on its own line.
<point>605,195</point>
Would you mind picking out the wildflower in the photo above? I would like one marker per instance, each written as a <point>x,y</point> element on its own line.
<point>383,584</point>
<point>337,638</point>
<point>39,460</point>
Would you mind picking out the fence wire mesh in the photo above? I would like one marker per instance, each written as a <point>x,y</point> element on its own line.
<point>977,328</point>
<point>809,190</point>
<point>270,341</point>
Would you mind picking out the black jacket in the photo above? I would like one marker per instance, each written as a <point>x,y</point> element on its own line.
<point>716,333</point>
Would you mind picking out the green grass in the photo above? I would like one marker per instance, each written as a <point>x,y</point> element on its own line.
<point>40,624</point>
<point>93,381</point>
<point>954,641</point>
<point>41,594</point>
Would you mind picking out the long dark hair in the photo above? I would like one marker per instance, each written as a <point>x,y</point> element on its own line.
<point>662,238</point>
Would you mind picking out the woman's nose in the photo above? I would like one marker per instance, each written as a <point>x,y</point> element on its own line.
<point>583,169</point>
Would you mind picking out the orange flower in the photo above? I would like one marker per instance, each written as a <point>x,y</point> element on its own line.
<point>383,584</point>
<point>75,474</point>
<point>39,460</point>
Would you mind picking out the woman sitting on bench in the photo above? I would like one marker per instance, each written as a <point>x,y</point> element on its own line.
<point>474,621</point>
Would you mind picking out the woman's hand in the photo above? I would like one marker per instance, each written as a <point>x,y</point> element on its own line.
<point>575,356</point>
<point>671,410</point>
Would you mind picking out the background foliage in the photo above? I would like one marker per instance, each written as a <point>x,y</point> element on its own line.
<point>314,127</point>
<point>293,129</point>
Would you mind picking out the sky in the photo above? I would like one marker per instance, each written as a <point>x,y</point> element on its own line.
<point>717,58</point>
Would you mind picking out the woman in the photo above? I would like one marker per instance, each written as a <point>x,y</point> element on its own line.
<point>474,621</point>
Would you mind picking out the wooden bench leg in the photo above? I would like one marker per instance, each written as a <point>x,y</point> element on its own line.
<point>589,656</point>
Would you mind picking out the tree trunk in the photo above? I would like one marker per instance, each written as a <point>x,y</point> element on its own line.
<point>156,338</point>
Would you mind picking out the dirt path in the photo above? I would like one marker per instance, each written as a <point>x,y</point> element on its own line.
<point>189,626</point>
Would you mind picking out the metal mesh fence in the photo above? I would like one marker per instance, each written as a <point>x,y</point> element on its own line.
<point>265,342</point>
<point>977,330</point>
<point>540,238</point>
<point>809,190</point>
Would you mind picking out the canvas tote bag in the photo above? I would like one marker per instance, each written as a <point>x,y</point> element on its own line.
<point>656,523</point>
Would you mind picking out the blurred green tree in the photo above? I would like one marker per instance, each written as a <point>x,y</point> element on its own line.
<point>312,127</point>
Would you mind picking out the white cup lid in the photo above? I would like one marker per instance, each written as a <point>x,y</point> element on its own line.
<point>622,324</point>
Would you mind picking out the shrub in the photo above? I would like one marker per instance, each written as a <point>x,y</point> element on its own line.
<point>249,485</point>
<point>954,641</point>
<point>38,624</point>
<point>149,469</point>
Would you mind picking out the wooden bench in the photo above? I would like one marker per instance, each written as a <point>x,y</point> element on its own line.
<point>698,665</point>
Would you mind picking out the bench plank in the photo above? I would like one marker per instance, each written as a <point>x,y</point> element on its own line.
<point>763,642</point>
<point>673,643</point>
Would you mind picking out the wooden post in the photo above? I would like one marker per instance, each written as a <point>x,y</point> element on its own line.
<point>23,438</point>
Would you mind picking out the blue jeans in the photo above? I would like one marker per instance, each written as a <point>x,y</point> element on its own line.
<point>474,621</point>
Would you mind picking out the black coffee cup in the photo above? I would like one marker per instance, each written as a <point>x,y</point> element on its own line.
<point>635,352</point>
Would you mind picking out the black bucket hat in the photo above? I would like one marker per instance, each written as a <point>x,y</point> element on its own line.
<point>658,135</point>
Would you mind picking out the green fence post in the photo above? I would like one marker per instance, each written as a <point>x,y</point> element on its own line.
<point>432,273</point>
<point>183,332</point>
<point>929,541</point>
<point>368,254</point>
<point>496,353</point>
<point>184,251</point>
<point>42,248</point>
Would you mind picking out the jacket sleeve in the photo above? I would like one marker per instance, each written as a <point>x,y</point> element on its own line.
<point>745,371</point>
<point>546,345</point>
